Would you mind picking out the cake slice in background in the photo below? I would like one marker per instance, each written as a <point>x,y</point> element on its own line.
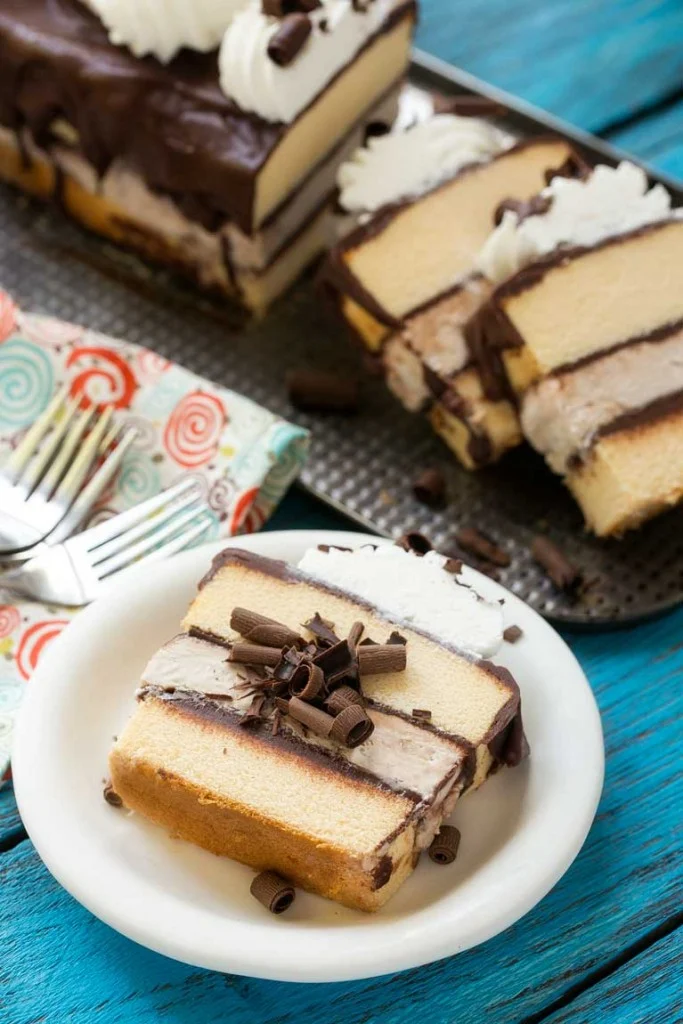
<point>219,163</point>
<point>240,740</point>
<point>585,327</point>
<point>424,202</point>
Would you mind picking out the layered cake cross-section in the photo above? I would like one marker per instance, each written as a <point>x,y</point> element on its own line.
<point>585,329</point>
<point>404,278</point>
<point>322,721</point>
<point>207,137</point>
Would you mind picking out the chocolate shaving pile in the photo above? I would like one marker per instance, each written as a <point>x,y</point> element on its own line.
<point>316,683</point>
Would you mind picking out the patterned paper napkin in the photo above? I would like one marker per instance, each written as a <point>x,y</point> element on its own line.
<point>243,456</point>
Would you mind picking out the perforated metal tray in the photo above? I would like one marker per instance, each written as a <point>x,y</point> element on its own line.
<point>363,465</point>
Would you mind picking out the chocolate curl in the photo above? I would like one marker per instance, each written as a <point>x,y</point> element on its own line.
<point>313,718</point>
<point>414,542</point>
<point>381,658</point>
<point>337,663</point>
<point>273,891</point>
<point>512,634</point>
<point>444,846</point>
<point>351,727</point>
<point>322,630</point>
<point>355,633</point>
<point>111,796</point>
<point>280,8</point>
<point>468,106</point>
<point>317,391</point>
<point>253,713</point>
<point>253,654</point>
<point>477,543</point>
<point>308,682</point>
<point>556,564</point>
<point>396,638</point>
<point>342,697</point>
<point>259,629</point>
<point>430,488</point>
<point>287,43</point>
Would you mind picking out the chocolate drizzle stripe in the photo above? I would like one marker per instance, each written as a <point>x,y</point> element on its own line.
<point>57,59</point>
<point>659,409</point>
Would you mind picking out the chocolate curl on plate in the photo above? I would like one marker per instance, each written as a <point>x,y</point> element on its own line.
<point>308,682</point>
<point>342,698</point>
<point>274,892</point>
<point>253,713</point>
<point>254,654</point>
<point>556,564</point>
<point>322,630</point>
<point>259,629</point>
<point>111,796</point>
<point>313,718</point>
<point>477,543</point>
<point>381,658</point>
<point>444,847</point>
<point>352,726</point>
<point>415,542</point>
<point>289,39</point>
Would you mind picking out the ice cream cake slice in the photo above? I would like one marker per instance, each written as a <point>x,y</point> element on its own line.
<point>297,728</point>
<point>585,327</point>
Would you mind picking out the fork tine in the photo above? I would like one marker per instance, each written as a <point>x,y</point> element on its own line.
<point>92,490</point>
<point>59,465</point>
<point>23,452</point>
<point>67,492</point>
<point>38,465</point>
<point>133,534</point>
<point>131,552</point>
<point>178,543</point>
<point>103,532</point>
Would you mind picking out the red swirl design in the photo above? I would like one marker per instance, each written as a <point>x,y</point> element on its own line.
<point>194,429</point>
<point>33,643</point>
<point>7,316</point>
<point>9,619</point>
<point>247,517</point>
<point>111,375</point>
<point>150,365</point>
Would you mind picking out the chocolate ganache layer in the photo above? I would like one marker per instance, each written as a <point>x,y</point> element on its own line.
<point>171,123</point>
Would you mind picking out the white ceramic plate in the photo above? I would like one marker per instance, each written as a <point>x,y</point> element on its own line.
<point>520,832</point>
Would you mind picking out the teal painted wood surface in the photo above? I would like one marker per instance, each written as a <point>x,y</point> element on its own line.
<point>605,945</point>
<point>593,62</point>
<point>658,139</point>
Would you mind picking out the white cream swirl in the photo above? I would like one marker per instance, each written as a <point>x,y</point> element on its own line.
<point>162,27</point>
<point>612,201</point>
<point>257,84</point>
<point>412,591</point>
<point>409,163</point>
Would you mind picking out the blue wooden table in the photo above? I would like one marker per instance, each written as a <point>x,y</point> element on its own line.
<point>606,944</point>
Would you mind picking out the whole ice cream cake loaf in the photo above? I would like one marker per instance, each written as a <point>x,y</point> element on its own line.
<point>321,722</point>
<point>204,135</point>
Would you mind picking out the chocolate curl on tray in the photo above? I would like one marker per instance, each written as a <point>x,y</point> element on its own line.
<point>259,629</point>
<point>561,571</point>
<point>477,543</point>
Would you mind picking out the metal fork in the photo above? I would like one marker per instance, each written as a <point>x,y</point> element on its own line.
<point>76,572</point>
<point>43,482</point>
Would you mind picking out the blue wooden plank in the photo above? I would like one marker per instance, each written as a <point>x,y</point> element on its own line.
<point>647,990</point>
<point>593,62</point>
<point>658,139</point>
<point>625,883</point>
<point>11,827</point>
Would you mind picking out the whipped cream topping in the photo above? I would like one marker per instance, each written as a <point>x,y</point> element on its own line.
<point>612,201</point>
<point>400,752</point>
<point>412,591</point>
<point>162,27</point>
<point>405,164</point>
<point>257,84</point>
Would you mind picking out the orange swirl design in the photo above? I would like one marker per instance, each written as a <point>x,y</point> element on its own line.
<point>9,619</point>
<point>109,381</point>
<point>33,643</point>
<point>193,431</point>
